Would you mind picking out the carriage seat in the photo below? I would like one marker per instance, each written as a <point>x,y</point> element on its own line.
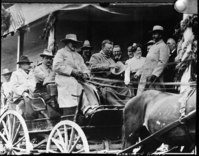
<point>52,88</point>
<point>38,103</point>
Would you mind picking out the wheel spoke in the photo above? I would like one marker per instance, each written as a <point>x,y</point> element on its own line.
<point>19,149</point>
<point>51,151</point>
<point>3,138</point>
<point>9,128</point>
<point>61,139</point>
<point>19,141</point>
<point>74,144</point>
<point>66,138</point>
<point>81,150</point>
<point>16,132</point>
<point>71,138</point>
<point>57,144</point>
<point>5,128</point>
<point>13,127</point>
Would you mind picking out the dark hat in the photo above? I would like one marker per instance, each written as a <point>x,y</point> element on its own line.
<point>24,59</point>
<point>70,37</point>
<point>6,71</point>
<point>157,28</point>
<point>46,52</point>
<point>86,45</point>
<point>151,42</point>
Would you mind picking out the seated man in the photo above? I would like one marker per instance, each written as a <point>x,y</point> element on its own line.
<point>86,50</point>
<point>70,71</point>
<point>23,81</point>
<point>117,54</point>
<point>101,65</point>
<point>43,75</point>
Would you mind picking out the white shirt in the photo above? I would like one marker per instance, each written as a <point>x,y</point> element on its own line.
<point>133,65</point>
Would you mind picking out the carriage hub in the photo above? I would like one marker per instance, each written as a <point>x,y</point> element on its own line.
<point>8,146</point>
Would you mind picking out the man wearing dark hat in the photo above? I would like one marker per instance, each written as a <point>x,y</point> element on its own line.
<point>86,51</point>
<point>23,81</point>
<point>155,63</point>
<point>6,89</point>
<point>70,75</point>
<point>105,67</point>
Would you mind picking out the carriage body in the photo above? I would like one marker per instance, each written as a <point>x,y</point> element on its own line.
<point>101,132</point>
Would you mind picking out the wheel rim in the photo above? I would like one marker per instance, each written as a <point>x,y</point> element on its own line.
<point>67,137</point>
<point>14,137</point>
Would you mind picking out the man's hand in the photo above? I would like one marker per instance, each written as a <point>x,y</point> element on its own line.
<point>76,74</point>
<point>152,78</point>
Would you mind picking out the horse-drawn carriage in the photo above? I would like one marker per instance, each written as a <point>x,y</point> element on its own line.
<point>100,132</point>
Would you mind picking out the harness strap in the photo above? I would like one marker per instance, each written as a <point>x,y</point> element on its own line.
<point>161,131</point>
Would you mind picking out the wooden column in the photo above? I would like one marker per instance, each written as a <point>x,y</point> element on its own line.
<point>20,44</point>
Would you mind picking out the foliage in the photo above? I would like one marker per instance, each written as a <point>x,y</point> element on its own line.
<point>5,20</point>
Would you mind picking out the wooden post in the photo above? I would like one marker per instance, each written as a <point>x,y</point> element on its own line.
<point>20,44</point>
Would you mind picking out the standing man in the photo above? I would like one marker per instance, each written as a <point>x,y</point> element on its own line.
<point>6,90</point>
<point>155,62</point>
<point>86,51</point>
<point>170,70</point>
<point>70,72</point>
<point>23,82</point>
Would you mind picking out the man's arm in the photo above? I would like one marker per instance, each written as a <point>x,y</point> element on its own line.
<point>163,60</point>
<point>17,89</point>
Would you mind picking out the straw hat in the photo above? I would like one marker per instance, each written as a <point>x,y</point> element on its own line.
<point>120,70</point>
<point>86,45</point>
<point>46,52</point>
<point>70,37</point>
<point>6,71</point>
<point>24,59</point>
<point>157,28</point>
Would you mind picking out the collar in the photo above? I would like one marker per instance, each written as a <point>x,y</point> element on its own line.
<point>138,58</point>
<point>46,67</point>
<point>160,41</point>
<point>173,51</point>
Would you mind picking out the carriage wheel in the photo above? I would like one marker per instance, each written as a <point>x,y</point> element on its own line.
<point>67,137</point>
<point>14,137</point>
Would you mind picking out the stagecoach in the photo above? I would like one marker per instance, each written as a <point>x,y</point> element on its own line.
<point>72,133</point>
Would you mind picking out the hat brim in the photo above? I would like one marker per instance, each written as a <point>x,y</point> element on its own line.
<point>113,71</point>
<point>65,40</point>
<point>42,55</point>
<point>152,31</point>
<point>6,73</point>
<point>86,47</point>
<point>24,62</point>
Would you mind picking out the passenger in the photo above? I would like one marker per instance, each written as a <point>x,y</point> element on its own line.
<point>103,66</point>
<point>70,70</point>
<point>86,50</point>
<point>130,54</point>
<point>149,45</point>
<point>117,54</point>
<point>23,81</point>
<point>6,90</point>
<point>133,70</point>
<point>155,63</point>
<point>43,75</point>
<point>170,69</point>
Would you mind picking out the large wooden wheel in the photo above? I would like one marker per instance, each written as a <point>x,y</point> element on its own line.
<point>14,137</point>
<point>67,137</point>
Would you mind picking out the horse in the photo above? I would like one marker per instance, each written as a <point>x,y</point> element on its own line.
<point>152,110</point>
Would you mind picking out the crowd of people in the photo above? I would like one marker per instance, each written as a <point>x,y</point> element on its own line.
<point>105,78</point>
